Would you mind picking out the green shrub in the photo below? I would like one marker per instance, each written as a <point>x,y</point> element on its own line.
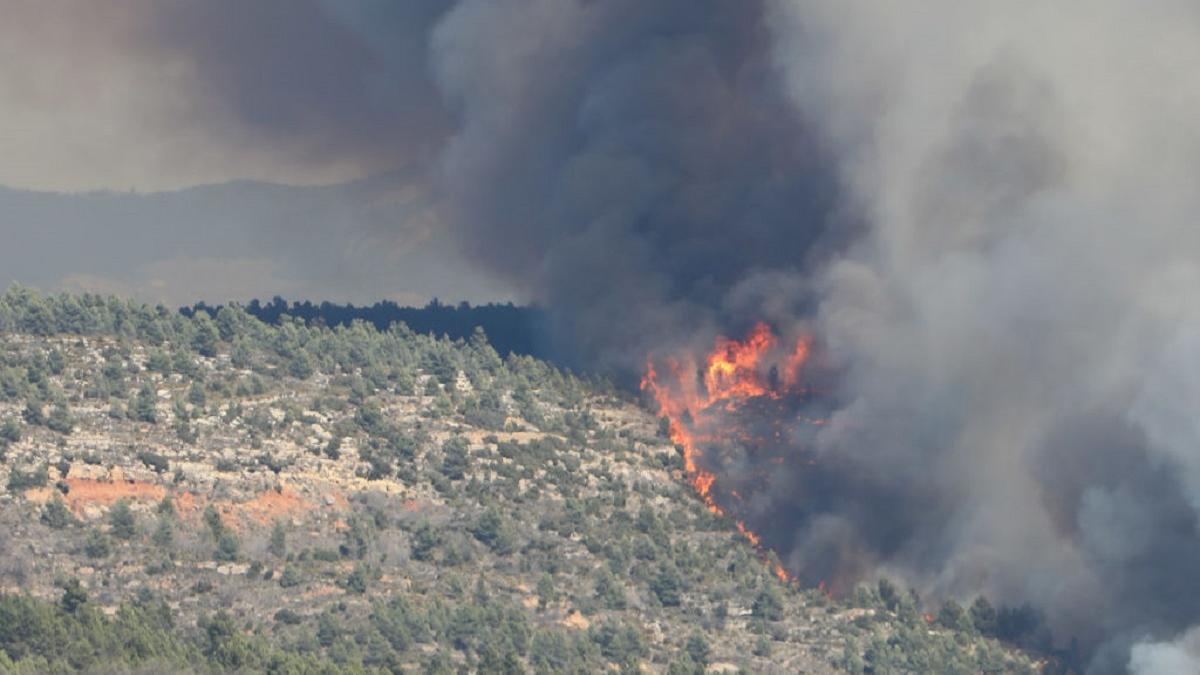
<point>666,586</point>
<point>358,579</point>
<point>153,460</point>
<point>227,547</point>
<point>10,432</point>
<point>56,515</point>
<point>144,407</point>
<point>326,555</point>
<point>290,577</point>
<point>19,481</point>
<point>60,419</point>
<point>455,459</point>
<point>122,520</point>
<point>97,545</point>
<point>277,546</point>
<point>768,604</point>
<point>424,541</point>
<point>491,529</point>
<point>288,617</point>
<point>73,597</point>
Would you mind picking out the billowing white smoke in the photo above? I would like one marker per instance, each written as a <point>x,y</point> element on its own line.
<point>1179,656</point>
<point>1020,329</point>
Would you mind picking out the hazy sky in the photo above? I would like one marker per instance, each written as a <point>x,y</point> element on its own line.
<point>155,98</point>
<point>152,95</point>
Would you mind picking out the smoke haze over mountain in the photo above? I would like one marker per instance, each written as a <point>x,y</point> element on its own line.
<point>983,213</point>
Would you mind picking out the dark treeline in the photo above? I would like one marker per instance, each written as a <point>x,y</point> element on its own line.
<point>510,328</point>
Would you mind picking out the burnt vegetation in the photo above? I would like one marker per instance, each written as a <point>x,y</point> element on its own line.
<point>214,493</point>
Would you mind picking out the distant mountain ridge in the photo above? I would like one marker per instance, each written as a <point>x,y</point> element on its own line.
<point>356,241</point>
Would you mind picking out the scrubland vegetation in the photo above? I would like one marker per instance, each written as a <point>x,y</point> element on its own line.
<point>217,494</point>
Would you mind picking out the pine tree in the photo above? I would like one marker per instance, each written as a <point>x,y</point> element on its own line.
<point>73,597</point>
<point>144,405</point>
<point>122,520</point>
<point>278,543</point>
<point>56,515</point>
<point>768,605</point>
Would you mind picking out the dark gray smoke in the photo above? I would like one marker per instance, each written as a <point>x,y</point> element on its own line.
<point>637,166</point>
<point>327,81</point>
<point>1014,326</point>
<point>161,95</point>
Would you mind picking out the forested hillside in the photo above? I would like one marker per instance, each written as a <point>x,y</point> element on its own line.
<point>218,494</point>
<point>510,328</point>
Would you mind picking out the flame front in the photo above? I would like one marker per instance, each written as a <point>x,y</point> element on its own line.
<point>693,393</point>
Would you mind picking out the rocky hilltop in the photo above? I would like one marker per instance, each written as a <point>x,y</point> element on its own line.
<point>207,494</point>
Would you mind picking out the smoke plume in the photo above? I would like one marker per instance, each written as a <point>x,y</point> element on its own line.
<point>984,214</point>
<point>637,166</point>
<point>1017,330</point>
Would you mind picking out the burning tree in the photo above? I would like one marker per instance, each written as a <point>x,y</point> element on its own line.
<point>731,413</point>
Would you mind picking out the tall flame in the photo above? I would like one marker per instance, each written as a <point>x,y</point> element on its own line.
<point>693,393</point>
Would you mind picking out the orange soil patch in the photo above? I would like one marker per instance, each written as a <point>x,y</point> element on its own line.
<point>187,503</point>
<point>89,491</point>
<point>269,505</point>
<point>261,510</point>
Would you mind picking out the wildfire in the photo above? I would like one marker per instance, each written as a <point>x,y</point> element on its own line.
<point>693,393</point>
<point>779,571</point>
<point>749,534</point>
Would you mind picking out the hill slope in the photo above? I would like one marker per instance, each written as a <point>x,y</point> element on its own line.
<point>194,494</point>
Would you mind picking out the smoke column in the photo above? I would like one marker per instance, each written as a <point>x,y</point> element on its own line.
<point>1019,329</point>
<point>637,166</point>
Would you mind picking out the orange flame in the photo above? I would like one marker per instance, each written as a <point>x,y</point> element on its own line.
<point>749,534</point>
<point>779,571</point>
<point>733,372</point>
